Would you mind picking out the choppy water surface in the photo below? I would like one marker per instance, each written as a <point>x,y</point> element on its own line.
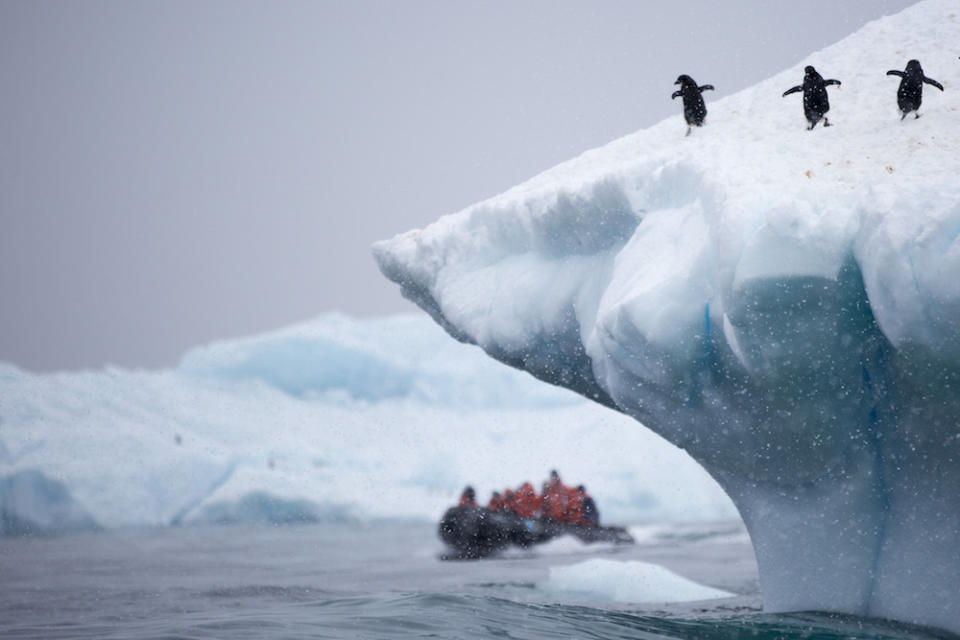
<point>344,581</point>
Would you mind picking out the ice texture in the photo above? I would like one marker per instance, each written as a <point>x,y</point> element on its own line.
<point>632,581</point>
<point>31,503</point>
<point>783,304</point>
<point>335,419</point>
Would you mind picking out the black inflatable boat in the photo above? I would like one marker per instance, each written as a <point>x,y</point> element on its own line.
<point>476,532</point>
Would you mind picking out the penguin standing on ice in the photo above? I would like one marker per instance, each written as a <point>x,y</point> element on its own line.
<point>910,93</point>
<point>694,111</point>
<point>815,101</point>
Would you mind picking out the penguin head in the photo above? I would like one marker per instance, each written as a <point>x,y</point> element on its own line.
<point>913,66</point>
<point>685,81</point>
<point>810,74</point>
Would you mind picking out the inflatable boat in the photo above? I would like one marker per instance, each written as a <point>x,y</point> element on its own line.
<point>477,532</point>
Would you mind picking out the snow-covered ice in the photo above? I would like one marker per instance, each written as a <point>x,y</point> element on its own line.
<point>335,419</point>
<point>630,581</point>
<point>782,303</point>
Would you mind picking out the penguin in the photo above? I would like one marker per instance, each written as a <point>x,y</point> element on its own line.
<point>910,93</point>
<point>694,111</point>
<point>815,101</point>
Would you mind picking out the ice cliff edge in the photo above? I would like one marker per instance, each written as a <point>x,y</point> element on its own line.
<point>783,304</point>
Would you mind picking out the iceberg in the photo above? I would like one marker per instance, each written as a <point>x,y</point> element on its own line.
<point>336,419</point>
<point>783,304</point>
<point>31,503</point>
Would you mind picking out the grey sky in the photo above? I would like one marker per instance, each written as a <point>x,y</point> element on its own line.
<point>176,172</point>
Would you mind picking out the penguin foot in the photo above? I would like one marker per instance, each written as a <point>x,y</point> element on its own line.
<point>689,129</point>
<point>826,123</point>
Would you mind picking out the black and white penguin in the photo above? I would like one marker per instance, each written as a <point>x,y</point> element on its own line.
<point>910,93</point>
<point>694,110</point>
<point>815,101</point>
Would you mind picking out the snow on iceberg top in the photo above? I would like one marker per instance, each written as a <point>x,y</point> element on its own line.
<point>776,199</point>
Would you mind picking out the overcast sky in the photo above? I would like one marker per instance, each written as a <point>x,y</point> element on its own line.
<point>177,172</point>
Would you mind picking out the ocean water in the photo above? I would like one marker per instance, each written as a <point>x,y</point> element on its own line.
<point>376,581</point>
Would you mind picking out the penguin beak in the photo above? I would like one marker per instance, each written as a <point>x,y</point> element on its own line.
<point>677,82</point>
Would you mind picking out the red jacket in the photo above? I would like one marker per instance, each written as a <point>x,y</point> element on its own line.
<point>573,513</point>
<point>526,501</point>
<point>554,502</point>
<point>497,503</point>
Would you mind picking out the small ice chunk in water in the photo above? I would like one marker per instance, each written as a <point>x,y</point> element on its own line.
<point>600,579</point>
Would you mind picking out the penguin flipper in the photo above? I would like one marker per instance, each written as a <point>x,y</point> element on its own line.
<point>706,87</point>
<point>795,89</point>
<point>933,82</point>
<point>827,83</point>
<point>676,94</point>
<point>894,72</point>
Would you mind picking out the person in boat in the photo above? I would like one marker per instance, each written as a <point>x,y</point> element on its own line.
<point>573,512</point>
<point>526,502</point>
<point>555,499</point>
<point>546,501</point>
<point>509,500</point>
<point>496,502</point>
<point>589,516</point>
<point>468,498</point>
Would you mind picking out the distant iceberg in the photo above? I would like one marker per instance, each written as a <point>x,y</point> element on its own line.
<point>783,304</point>
<point>369,360</point>
<point>33,504</point>
<point>336,419</point>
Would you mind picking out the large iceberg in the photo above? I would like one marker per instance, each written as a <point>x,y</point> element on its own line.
<point>784,304</point>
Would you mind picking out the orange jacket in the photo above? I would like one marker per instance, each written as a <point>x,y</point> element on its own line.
<point>573,513</point>
<point>497,503</point>
<point>526,501</point>
<point>554,502</point>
